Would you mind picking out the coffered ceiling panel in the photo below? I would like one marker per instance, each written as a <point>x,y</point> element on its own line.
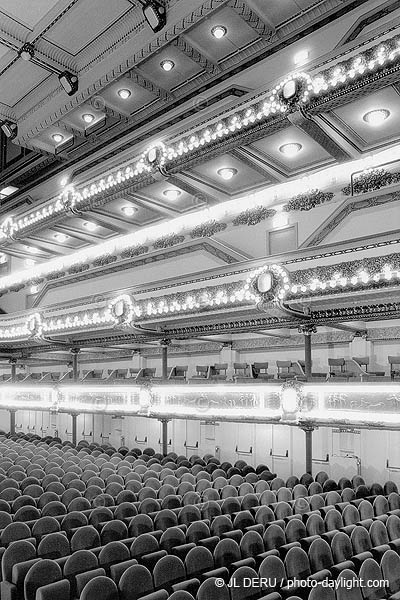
<point>352,117</point>
<point>21,78</point>
<point>277,11</point>
<point>184,68</point>
<point>85,22</point>
<point>139,96</point>
<point>170,196</point>
<point>27,13</point>
<point>309,153</point>
<point>238,34</point>
<point>121,209</point>
<point>3,50</point>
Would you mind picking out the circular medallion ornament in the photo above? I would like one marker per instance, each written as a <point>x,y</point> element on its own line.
<point>293,90</point>
<point>121,310</point>
<point>155,156</point>
<point>270,283</point>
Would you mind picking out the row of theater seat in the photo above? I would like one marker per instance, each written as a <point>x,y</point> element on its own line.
<point>246,529</point>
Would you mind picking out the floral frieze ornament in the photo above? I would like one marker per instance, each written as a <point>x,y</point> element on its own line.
<point>121,310</point>
<point>154,157</point>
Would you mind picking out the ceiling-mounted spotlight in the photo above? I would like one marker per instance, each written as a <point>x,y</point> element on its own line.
<point>27,51</point>
<point>69,82</point>
<point>9,129</point>
<point>155,14</point>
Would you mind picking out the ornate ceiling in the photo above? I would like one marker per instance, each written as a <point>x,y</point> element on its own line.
<point>88,197</point>
<point>114,49</point>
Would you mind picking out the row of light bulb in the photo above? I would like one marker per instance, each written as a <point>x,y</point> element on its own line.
<point>338,280</point>
<point>256,112</point>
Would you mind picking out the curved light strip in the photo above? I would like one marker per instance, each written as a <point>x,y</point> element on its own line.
<point>125,311</point>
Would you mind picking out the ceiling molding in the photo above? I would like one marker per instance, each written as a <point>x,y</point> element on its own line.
<point>251,18</point>
<point>195,55</point>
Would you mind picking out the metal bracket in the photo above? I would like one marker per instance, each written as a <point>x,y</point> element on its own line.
<point>286,455</point>
<point>189,447</point>
<point>391,467</point>
<point>249,453</point>
<point>168,443</point>
<point>321,460</point>
<point>140,441</point>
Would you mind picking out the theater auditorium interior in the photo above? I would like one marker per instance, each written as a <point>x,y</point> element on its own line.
<point>199,299</point>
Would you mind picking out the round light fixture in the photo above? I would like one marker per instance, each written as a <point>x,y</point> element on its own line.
<point>376,117</point>
<point>227,173</point>
<point>61,237</point>
<point>264,282</point>
<point>64,181</point>
<point>57,137</point>
<point>34,289</point>
<point>291,149</point>
<point>167,65</point>
<point>88,118</point>
<point>27,51</point>
<point>124,93</point>
<point>129,211</point>
<point>90,226</point>
<point>219,31</point>
<point>172,194</point>
<point>32,249</point>
<point>289,89</point>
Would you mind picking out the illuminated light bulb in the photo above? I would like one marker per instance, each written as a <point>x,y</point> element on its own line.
<point>90,226</point>
<point>374,118</point>
<point>34,289</point>
<point>129,211</point>
<point>227,173</point>
<point>219,31</point>
<point>124,93</point>
<point>167,65</point>
<point>61,237</point>
<point>57,137</point>
<point>301,57</point>
<point>172,194</point>
<point>290,150</point>
<point>88,118</point>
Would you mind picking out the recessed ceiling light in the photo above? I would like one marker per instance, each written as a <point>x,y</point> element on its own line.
<point>90,226</point>
<point>34,289</point>
<point>124,93</point>
<point>30,262</point>
<point>291,149</point>
<point>219,31</point>
<point>88,118</point>
<point>172,194</point>
<point>32,249</point>
<point>301,57</point>
<point>376,117</point>
<point>167,65</point>
<point>129,211</point>
<point>227,173</point>
<point>61,237</point>
<point>64,181</point>
<point>7,191</point>
<point>57,137</point>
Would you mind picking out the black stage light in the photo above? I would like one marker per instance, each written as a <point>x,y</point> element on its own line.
<point>69,82</point>
<point>155,14</point>
<point>27,51</point>
<point>10,129</point>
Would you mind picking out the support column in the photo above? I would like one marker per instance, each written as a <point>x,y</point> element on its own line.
<point>75,364</point>
<point>12,421</point>
<point>307,329</point>
<point>164,358</point>
<point>164,436</point>
<point>308,430</point>
<point>74,428</point>
<point>13,363</point>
